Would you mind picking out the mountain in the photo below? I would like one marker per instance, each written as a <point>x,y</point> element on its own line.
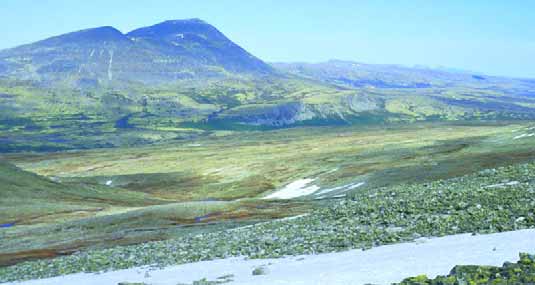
<point>182,79</point>
<point>168,51</point>
<point>345,92</point>
<point>194,43</point>
<point>357,74</point>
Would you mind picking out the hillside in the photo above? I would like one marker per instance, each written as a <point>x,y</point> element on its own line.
<point>183,79</point>
<point>358,74</point>
<point>27,198</point>
<point>520,272</point>
<point>104,56</point>
<point>223,182</point>
<point>492,200</point>
<point>227,142</point>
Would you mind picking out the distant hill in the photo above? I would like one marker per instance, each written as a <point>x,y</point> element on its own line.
<point>167,51</point>
<point>28,198</point>
<point>357,74</point>
<point>182,79</point>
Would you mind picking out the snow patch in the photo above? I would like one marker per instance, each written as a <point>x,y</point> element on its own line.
<point>380,265</point>
<point>343,188</point>
<point>295,189</point>
<point>110,74</point>
<point>55,179</point>
<point>262,223</point>
<point>511,183</point>
<point>332,170</point>
<point>524,136</point>
<point>293,217</point>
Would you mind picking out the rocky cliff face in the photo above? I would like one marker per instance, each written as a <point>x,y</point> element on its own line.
<point>343,110</point>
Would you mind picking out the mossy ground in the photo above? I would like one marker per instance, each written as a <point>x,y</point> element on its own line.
<point>167,191</point>
<point>35,118</point>
<point>521,272</point>
<point>493,200</point>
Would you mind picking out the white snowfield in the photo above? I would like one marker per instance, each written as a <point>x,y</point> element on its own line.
<point>380,265</point>
<point>341,189</point>
<point>295,189</point>
<point>524,136</point>
<point>303,187</point>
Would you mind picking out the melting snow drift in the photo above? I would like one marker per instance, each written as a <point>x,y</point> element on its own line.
<point>295,189</point>
<point>343,188</point>
<point>302,187</point>
<point>380,265</point>
<point>524,136</point>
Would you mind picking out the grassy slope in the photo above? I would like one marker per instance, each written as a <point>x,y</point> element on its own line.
<point>134,226</point>
<point>27,198</point>
<point>493,200</point>
<point>251,164</point>
<point>200,180</point>
<point>41,119</point>
<point>49,218</point>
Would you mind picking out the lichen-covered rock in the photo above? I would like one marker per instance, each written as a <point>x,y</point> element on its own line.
<point>522,272</point>
<point>261,270</point>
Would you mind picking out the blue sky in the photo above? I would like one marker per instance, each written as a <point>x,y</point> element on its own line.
<point>494,37</point>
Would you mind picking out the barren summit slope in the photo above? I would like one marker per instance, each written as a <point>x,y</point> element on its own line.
<point>163,52</point>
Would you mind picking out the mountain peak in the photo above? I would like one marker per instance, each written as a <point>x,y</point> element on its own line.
<point>177,27</point>
<point>163,52</point>
<point>99,34</point>
<point>185,21</point>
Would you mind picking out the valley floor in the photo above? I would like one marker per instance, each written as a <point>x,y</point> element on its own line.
<point>379,265</point>
<point>350,188</point>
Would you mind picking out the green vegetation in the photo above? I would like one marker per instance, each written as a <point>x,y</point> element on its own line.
<point>110,158</point>
<point>251,164</point>
<point>102,198</point>
<point>492,200</point>
<point>27,198</point>
<point>122,226</point>
<point>100,88</point>
<point>34,118</point>
<point>522,272</point>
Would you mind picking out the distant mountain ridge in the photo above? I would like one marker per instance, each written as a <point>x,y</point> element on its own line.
<point>183,78</point>
<point>356,74</point>
<point>166,51</point>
